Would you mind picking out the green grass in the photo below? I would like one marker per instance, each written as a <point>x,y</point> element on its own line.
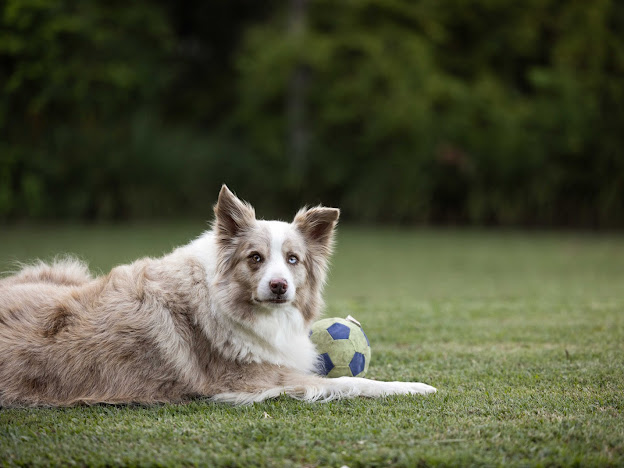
<point>522,333</point>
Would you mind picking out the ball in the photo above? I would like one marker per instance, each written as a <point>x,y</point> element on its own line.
<point>343,347</point>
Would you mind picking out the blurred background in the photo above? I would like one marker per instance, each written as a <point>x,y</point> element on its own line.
<point>454,112</point>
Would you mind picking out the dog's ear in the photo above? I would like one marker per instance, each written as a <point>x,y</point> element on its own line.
<point>317,225</point>
<point>232,214</point>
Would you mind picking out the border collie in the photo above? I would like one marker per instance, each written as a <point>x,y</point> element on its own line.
<point>226,316</point>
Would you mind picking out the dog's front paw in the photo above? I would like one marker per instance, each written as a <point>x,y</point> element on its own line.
<point>408,388</point>
<point>417,388</point>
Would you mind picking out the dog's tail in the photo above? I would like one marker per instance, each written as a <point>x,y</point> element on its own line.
<point>64,271</point>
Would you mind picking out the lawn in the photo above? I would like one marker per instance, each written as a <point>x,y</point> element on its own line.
<point>522,334</point>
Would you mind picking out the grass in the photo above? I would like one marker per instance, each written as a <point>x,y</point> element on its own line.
<point>522,333</point>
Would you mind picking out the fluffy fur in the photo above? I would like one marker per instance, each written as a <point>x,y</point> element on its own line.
<point>226,316</point>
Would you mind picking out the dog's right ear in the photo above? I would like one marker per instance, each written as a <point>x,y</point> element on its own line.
<point>232,214</point>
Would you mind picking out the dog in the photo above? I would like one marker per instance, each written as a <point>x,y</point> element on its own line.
<point>226,316</point>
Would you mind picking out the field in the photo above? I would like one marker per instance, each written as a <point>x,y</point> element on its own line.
<point>521,332</point>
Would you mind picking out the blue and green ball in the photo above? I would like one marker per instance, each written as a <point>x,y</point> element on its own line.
<point>343,347</point>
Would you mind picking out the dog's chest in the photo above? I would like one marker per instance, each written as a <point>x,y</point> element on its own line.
<point>276,337</point>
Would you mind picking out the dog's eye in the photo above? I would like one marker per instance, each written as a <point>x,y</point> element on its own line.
<point>293,260</point>
<point>255,258</point>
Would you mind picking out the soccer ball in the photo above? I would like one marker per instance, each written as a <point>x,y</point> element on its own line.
<point>343,347</point>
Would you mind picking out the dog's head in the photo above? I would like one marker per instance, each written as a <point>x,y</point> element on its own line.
<point>270,264</point>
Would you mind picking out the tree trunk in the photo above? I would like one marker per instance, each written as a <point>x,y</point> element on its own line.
<point>296,102</point>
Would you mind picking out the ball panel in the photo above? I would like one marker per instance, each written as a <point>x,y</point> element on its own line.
<point>359,339</point>
<point>321,339</point>
<point>323,324</point>
<point>325,364</point>
<point>339,331</point>
<point>340,351</point>
<point>357,364</point>
<point>340,371</point>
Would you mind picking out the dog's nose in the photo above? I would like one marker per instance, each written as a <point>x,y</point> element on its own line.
<point>278,286</point>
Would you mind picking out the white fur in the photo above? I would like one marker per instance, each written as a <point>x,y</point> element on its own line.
<point>204,250</point>
<point>332,389</point>
<point>277,267</point>
<point>278,335</point>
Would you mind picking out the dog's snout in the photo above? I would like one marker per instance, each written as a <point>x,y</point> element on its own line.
<point>278,286</point>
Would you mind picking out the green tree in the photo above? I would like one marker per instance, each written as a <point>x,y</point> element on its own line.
<point>481,111</point>
<point>71,72</point>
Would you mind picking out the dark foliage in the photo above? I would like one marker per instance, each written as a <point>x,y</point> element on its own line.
<point>480,111</point>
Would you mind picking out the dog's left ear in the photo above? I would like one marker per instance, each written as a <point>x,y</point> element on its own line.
<point>317,225</point>
<point>232,214</point>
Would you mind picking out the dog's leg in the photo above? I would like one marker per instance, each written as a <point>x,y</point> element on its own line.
<point>354,386</point>
<point>323,389</point>
<point>312,388</point>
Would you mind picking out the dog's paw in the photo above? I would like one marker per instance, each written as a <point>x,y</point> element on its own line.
<point>405,388</point>
<point>417,388</point>
<point>408,388</point>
